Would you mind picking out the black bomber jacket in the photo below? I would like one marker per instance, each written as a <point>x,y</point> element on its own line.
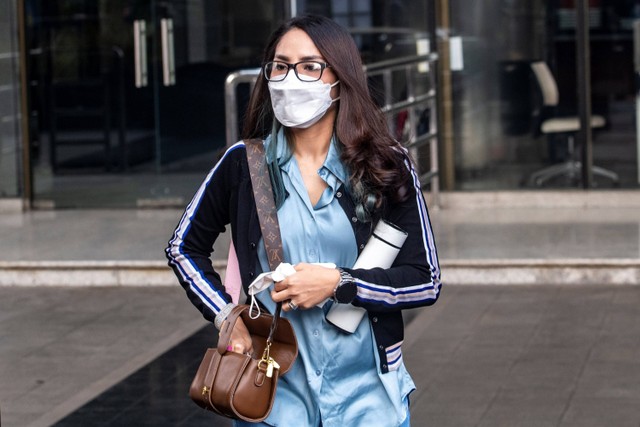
<point>226,198</point>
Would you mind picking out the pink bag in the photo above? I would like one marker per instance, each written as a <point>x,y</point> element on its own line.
<point>232,281</point>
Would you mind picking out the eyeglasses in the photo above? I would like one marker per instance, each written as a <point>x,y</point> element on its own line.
<point>306,71</point>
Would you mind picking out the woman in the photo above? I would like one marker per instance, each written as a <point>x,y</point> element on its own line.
<point>336,171</point>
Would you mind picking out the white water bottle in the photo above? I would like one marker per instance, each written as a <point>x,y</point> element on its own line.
<point>380,251</point>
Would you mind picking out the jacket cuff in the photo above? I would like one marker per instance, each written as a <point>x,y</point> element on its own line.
<point>223,314</point>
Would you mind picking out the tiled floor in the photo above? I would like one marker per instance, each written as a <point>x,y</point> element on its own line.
<point>156,395</point>
<point>483,356</point>
<point>62,347</point>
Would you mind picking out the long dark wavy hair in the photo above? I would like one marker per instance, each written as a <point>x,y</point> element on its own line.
<point>378,175</point>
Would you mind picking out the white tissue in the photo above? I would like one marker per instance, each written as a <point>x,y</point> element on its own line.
<point>265,280</point>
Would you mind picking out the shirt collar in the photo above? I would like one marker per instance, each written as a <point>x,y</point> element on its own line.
<point>332,163</point>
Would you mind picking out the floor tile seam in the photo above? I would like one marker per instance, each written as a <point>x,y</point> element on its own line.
<point>83,264</point>
<point>577,377</point>
<point>412,336</point>
<point>486,309</point>
<point>34,350</point>
<point>591,262</point>
<point>588,261</point>
<point>457,219</point>
<point>132,365</point>
<point>516,358</point>
<point>414,328</point>
<point>101,264</point>
<point>141,398</point>
<point>584,364</point>
<point>113,419</point>
<point>416,333</point>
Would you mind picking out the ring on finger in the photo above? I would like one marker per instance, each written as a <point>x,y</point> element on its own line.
<point>292,305</point>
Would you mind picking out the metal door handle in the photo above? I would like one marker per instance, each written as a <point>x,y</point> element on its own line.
<point>140,52</point>
<point>168,57</point>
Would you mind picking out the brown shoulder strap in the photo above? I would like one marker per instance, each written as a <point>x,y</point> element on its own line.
<point>265,203</point>
<point>267,214</point>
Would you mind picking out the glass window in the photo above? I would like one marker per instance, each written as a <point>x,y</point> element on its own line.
<point>514,101</point>
<point>397,30</point>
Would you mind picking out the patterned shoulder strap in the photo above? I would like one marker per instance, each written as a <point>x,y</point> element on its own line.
<point>265,204</point>
<point>267,214</point>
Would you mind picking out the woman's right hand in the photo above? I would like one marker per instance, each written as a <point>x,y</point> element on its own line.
<point>240,339</point>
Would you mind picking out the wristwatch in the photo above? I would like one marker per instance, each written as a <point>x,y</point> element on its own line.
<point>346,290</point>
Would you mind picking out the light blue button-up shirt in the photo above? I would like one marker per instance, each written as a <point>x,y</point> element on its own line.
<point>336,380</point>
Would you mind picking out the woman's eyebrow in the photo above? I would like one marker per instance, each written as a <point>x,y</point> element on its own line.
<point>285,58</point>
<point>312,58</point>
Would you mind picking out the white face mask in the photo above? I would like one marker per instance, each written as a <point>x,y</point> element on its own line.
<point>299,104</point>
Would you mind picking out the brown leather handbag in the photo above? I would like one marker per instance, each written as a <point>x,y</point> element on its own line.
<point>238,385</point>
<point>243,386</point>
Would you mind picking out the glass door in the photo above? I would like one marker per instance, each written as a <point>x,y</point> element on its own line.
<point>126,97</point>
<point>199,43</point>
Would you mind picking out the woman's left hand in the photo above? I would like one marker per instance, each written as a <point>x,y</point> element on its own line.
<point>310,285</point>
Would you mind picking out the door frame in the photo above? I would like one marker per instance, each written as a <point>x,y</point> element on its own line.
<point>27,171</point>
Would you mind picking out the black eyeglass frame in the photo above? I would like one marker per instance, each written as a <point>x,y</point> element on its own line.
<point>323,66</point>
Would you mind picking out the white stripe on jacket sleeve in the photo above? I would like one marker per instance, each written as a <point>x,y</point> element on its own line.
<point>210,296</point>
<point>394,356</point>
<point>391,296</point>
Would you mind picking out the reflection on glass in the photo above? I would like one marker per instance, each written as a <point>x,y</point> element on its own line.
<point>127,96</point>
<point>497,104</point>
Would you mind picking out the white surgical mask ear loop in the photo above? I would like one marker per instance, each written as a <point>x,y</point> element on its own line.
<point>255,304</point>
<point>332,86</point>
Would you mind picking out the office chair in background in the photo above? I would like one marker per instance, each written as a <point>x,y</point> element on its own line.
<point>561,126</point>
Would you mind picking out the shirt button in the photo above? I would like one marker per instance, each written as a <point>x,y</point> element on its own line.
<point>354,219</point>
<point>253,245</point>
<point>318,372</point>
<point>374,320</point>
<point>251,274</point>
<point>339,194</point>
<point>384,366</point>
<point>381,347</point>
<point>361,245</point>
<point>312,253</point>
<point>316,333</point>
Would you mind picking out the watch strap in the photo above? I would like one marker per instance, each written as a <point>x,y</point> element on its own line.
<point>346,279</point>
